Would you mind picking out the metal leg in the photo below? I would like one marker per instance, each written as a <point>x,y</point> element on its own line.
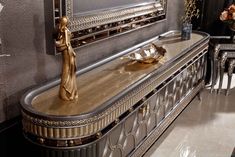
<point>213,76</point>
<point>221,79</point>
<point>214,66</point>
<point>230,74</point>
<point>217,72</point>
<point>204,64</point>
<point>229,83</point>
<point>199,95</point>
<point>222,66</point>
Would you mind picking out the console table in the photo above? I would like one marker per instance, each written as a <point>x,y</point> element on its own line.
<point>123,105</point>
<point>222,50</point>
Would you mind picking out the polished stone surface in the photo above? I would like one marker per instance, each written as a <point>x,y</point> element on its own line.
<point>203,129</point>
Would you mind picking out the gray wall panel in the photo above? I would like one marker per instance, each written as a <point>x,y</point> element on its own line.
<point>23,38</point>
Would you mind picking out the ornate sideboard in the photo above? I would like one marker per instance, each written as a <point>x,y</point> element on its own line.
<point>123,105</point>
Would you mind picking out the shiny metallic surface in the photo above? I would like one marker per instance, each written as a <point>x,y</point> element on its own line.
<point>143,102</point>
<point>219,54</point>
<point>223,59</point>
<point>214,64</point>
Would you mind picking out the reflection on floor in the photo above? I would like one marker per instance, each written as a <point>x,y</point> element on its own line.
<point>203,129</point>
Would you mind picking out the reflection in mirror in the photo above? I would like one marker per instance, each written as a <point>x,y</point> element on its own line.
<point>83,7</point>
<point>91,22</point>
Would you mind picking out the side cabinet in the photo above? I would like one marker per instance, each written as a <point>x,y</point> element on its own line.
<point>123,107</point>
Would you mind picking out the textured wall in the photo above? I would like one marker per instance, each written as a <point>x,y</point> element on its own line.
<point>23,39</point>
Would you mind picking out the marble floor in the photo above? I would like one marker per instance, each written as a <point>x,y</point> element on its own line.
<point>204,129</point>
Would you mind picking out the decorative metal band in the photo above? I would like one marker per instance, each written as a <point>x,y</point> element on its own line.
<point>89,127</point>
<point>105,17</point>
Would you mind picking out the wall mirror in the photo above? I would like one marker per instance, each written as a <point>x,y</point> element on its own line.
<point>92,21</point>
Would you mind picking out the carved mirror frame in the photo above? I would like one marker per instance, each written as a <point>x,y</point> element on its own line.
<point>102,24</point>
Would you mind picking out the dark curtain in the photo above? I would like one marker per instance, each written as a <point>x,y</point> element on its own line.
<point>209,21</point>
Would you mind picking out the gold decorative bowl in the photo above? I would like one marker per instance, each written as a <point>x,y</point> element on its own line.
<point>148,54</point>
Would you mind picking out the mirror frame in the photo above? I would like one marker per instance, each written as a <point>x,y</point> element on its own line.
<point>99,25</point>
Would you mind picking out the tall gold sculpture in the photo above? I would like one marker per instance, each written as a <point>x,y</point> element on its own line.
<point>68,86</point>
